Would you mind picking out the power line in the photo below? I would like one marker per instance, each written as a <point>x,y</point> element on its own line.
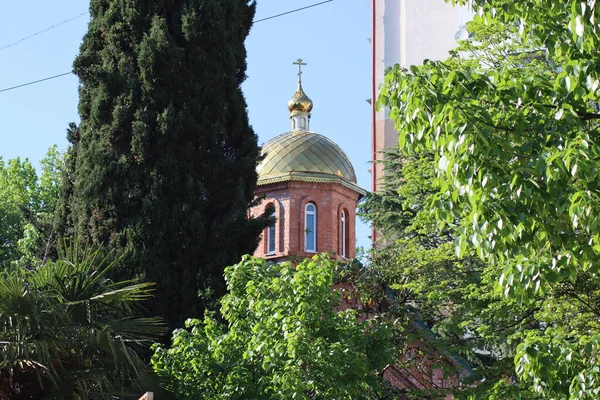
<point>292,11</point>
<point>71,19</point>
<point>43,31</point>
<point>38,81</point>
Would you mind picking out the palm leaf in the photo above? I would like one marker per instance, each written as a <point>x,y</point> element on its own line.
<point>136,292</point>
<point>73,326</point>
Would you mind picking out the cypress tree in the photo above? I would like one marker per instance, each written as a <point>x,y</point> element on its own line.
<point>166,159</point>
<point>63,223</point>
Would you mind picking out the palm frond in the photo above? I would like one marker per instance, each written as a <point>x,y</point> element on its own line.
<point>73,328</point>
<point>136,292</point>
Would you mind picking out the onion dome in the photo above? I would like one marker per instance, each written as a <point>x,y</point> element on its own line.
<point>300,102</point>
<point>305,156</point>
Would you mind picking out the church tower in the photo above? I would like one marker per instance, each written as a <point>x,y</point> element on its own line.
<point>309,185</point>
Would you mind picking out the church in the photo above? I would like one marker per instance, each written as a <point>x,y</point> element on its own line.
<point>309,185</point>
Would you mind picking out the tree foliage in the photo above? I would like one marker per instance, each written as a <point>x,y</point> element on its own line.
<point>64,225</point>
<point>166,160</point>
<point>27,205</point>
<point>67,331</point>
<point>282,336</point>
<point>511,133</point>
<point>455,302</point>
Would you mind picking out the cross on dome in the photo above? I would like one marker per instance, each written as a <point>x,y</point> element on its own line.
<point>299,63</point>
<point>300,105</point>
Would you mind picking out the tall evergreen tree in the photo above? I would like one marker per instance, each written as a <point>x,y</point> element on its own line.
<point>166,162</point>
<point>63,217</point>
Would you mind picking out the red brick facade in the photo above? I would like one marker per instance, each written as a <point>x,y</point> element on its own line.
<point>289,200</point>
<point>423,369</point>
<point>420,368</point>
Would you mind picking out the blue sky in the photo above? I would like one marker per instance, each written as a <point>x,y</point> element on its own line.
<point>331,38</point>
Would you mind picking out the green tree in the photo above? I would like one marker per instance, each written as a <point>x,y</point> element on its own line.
<point>514,176</point>
<point>166,159</point>
<point>67,331</point>
<point>63,216</point>
<point>454,301</point>
<point>27,205</point>
<point>281,336</point>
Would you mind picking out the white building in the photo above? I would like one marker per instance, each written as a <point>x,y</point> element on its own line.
<point>406,32</point>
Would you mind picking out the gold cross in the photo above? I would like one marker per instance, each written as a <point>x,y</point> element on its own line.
<point>299,63</point>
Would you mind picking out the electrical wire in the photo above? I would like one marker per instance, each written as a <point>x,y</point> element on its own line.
<point>73,18</point>
<point>292,11</point>
<point>33,82</point>
<point>43,31</point>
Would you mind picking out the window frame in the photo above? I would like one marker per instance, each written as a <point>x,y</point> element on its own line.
<point>271,232</point>
<point>344,234</point>
<point>271,237</point>
<point>310,213</point>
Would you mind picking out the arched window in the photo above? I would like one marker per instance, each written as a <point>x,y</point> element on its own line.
<point>344,234</point>
<point>310,228</point>
<point>271,233</point>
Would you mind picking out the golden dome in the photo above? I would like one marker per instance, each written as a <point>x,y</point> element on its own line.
<point>306,156</point>
<point>300,101</point>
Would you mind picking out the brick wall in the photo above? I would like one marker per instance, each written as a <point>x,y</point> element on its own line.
<point>290,199</point>
<point>420,367</point>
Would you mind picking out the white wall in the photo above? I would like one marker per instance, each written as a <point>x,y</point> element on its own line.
<point>410,31</point>
<point>406,33</point>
